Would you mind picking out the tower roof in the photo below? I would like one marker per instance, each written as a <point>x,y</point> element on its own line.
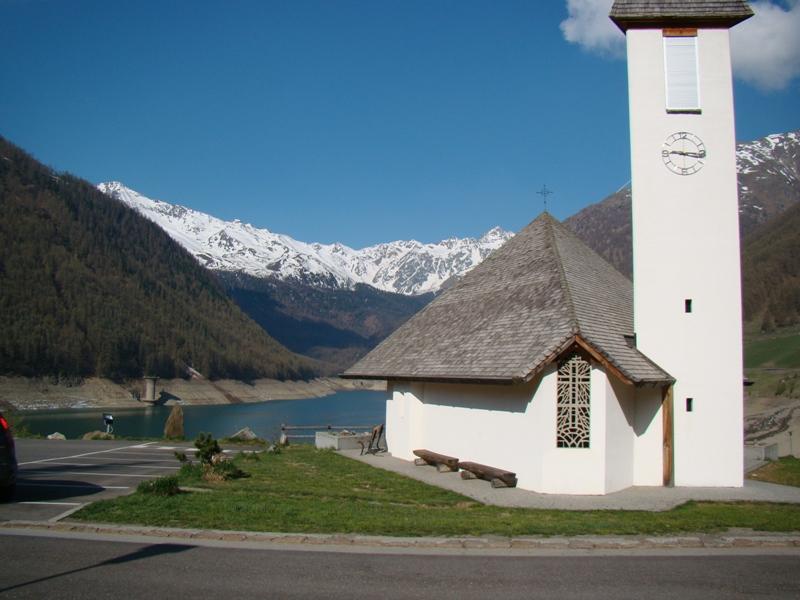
<point>629,14</point>
<point>541,293</point>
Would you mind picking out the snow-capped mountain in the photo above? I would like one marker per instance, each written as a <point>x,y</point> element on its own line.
<point>777,152</point>
<point>769,177</point>
<point>405,267</point>
<point>769,184</point>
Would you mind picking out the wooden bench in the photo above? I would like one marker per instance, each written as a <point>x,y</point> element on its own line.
<point>442,462</point>
<point>498,477</point>
<point>374,444</point>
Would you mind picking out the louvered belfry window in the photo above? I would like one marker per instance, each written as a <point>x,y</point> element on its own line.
<point>573,403</point>
<point>680,63</point>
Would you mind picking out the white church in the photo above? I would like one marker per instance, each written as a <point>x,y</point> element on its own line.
<point>545,361</point>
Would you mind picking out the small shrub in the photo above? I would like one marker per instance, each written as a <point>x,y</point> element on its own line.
<point>98,435</point>
<point>181,456</point>
<point>240,442</point>
<point>190,472</point>
<point>21,430</point>
<point>163,486</point>
<point>223,471</point>
<point>207,447</point>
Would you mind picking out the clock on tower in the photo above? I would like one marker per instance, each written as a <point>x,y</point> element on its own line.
<point>686,272</point>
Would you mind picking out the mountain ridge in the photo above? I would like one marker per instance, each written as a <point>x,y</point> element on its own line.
<point>769,183</point>
<point>404,266</point>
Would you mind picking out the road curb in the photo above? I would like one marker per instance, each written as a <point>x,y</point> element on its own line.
<point>729,539</point>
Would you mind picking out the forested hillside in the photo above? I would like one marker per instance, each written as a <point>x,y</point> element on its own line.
<point>89,287</point>
<point>337,326</point>
<point>771,272</point>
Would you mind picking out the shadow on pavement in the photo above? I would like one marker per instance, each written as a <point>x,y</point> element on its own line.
<point>29,490</point>
<point>141,554</point>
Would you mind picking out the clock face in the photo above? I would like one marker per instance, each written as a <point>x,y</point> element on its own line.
<point>683,153</point>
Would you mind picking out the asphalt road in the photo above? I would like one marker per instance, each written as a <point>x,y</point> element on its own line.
<point>57,477</point>
<point>40,567</point>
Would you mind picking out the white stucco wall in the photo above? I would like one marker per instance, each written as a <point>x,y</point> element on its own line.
<point>648,441</point>
<point>514,428</point>
<point>686,245</point>
<point>620,422</point>
<point>493,425</point>
<point>404,419</point>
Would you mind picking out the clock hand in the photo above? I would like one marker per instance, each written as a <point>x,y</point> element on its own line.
<point>689,154</point>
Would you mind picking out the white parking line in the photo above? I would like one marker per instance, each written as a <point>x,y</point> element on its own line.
<point>102,474</point>
<point>70,485</point>
<point>71,464</point>
<point>44,460</point>
<point>66,513</point>
<point>122,456</point>
<point>51,503</point>
<point>138,460</point>
<point>127,461</point>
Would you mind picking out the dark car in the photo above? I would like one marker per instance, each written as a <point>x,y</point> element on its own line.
<point>8,461</point>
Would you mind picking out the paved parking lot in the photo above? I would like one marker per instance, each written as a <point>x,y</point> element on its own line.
<point>58,477</point>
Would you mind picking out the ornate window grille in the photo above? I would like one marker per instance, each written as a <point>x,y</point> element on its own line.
<point>572,406</point>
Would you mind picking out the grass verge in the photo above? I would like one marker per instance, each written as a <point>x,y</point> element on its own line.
<point>785,471</point>
<point>311,491</point>
<point>779,349</point>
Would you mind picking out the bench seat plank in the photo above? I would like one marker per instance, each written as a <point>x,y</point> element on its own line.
<point>440,461</point>
<point>498,477</point>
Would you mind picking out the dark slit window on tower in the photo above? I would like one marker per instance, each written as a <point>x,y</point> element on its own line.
<point>689,404</point>
<point>687,305</point>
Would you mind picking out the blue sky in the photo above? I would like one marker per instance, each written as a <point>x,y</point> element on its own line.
<point>334,120</point>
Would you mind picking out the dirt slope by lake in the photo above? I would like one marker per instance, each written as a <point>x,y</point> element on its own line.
<point>42,393</point>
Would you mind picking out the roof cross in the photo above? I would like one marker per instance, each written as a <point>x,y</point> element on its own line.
<point>544,193</point>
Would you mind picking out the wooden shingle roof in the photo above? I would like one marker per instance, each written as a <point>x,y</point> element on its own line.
<point>539,294</point>
<point>679,13</point>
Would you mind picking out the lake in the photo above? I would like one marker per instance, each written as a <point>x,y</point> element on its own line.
<point>348,408</point>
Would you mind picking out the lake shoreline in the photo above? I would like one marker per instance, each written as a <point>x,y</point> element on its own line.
<point>31,394</point>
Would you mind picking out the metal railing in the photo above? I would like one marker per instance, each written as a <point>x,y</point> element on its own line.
<point>286,429</point>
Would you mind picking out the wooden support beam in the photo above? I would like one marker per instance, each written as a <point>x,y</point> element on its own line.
<point>667,418</point>
<point>587,347</point>
<point>680,32</point>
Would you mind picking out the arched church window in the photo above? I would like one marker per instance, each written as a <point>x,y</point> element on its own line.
<point>572,405</point>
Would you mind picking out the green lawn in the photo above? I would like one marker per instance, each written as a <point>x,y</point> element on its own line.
<point>785,471</point>
<point>306,490</point>
<point>772,361</point>
<point>780,349</point>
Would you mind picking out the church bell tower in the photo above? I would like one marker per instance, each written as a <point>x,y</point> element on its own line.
<point>686,267</point>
